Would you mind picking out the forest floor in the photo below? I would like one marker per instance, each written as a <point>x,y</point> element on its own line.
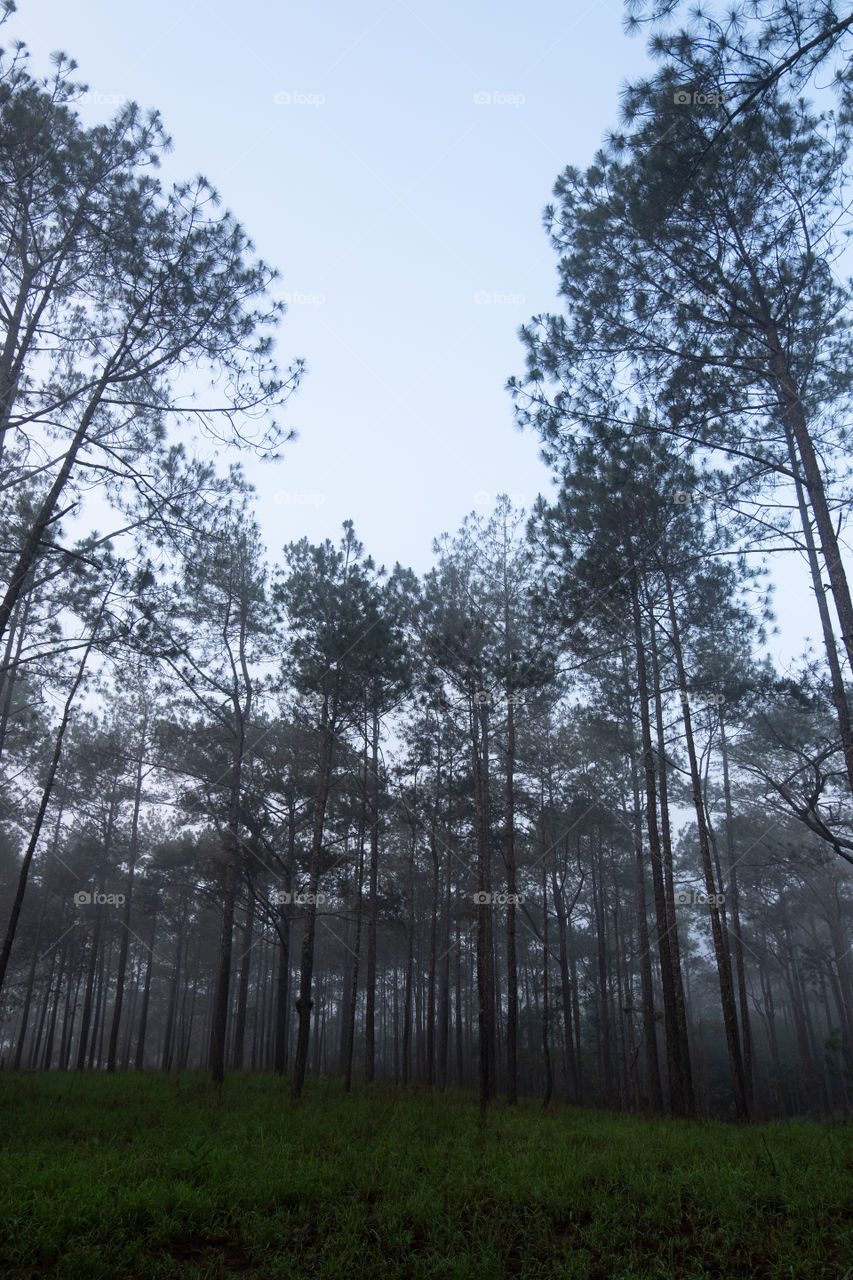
<point>150,1176</point>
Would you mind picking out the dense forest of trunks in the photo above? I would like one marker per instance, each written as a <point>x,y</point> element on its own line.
<point>546,819</point>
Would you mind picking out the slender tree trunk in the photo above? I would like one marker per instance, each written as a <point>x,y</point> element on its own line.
<point>70,1016</point>
<point>169,1026</point>
<point>512,889</point>
<point>562,915</point>
<point>840,958</point>
<point>146,996</point>
<point>373,911</point>
<point>605,1066</point>
<point>45,1004</point>
<point>444,966</point>
<point>306,968</point>
<point>17,632</point>
<point>769,1016</point>
<point>243,982</point>
<point>86,1016</point>
<point>746,1030</point>
<point>839,695</point>
<point>128,899</point>
<point>47,511</point>
<point>353,993</point>
<point>668,883</point>
<point>54,1013</point>
<point>97,1045</point>
<point>723,968</point>
<point>282,926</point>
<point>219,1022</point>
<point>546,1019</point>
<point>484,908</point>
<point>31,977</point>
<point>457,1014</point>
<point>679,1102</point>
<point>241,703</point>
<point>47,790</point>
<point>410,943</point>
<point>650,1038</point>
<point>813,478</point>
<point>433,930</point>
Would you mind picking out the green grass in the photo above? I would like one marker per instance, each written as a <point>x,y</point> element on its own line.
<point>152,1177</point>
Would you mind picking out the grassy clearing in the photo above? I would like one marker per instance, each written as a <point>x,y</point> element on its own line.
<point>153,1177</point>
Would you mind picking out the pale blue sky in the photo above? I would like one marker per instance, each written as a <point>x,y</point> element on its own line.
<point>403,211</point>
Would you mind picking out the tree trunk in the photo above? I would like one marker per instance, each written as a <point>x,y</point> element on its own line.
<point>410,943</point>
<point>793,411</point>
<point>512,889</point>
<point>723,968</point>
<point>444,969</point>
<point>546,1020</point>
<point>679,1099</point>
<point>668,883</point>
<point>356,955</point>
<point>88,994</point>
<point>282,927</point>
<point>243,982</point>
<point>47,790</point>
<point>373,912</point>
<point>740,965</point>
<point>125,919</point>
<point>54,1013</point>
<point>170,1029</point>
<point>219,1021</point>
<point>306,968</point>
<point>31,976</point>
<point>146,996</point>
<point>650,1038</point>
<point>47,511</point>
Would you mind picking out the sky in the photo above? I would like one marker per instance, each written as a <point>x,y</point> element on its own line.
<point>392,159</point>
